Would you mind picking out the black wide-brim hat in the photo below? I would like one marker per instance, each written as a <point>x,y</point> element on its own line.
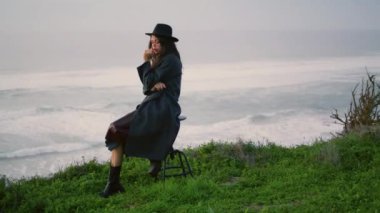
<point>163,30</point>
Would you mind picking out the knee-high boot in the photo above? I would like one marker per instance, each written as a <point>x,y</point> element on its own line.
<point>113,185</point>
<point>155,167</point>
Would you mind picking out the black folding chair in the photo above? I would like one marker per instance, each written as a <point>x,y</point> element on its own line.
<point>176,163</point>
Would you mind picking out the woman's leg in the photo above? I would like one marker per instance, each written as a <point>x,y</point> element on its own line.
<point>117,155</point>
<point>155,168</point>
<point>113,185</point>
<point>117,152</point>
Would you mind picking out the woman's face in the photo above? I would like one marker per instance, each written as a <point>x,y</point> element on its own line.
<point>156,46</point>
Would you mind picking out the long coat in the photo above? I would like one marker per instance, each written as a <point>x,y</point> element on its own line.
<point>151,129</point>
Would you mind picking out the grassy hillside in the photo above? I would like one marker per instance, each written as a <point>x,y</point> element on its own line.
<point>341,175</point>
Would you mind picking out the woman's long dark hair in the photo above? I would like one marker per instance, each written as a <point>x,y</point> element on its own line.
<point>167,47</point>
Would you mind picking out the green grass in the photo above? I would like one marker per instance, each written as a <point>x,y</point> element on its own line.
<point>341,175</point>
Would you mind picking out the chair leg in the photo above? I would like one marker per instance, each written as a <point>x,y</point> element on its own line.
<point>181,164</point>
<point>188,165</point>
<point>164,168</point>
<point>181,161</point>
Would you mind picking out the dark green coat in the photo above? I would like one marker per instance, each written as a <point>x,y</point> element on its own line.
<point>151,129</point>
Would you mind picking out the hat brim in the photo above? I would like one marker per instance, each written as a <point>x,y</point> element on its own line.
<point>165,36</point>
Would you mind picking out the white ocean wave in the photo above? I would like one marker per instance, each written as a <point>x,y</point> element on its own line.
<point>46,117</point>
<point>287,128</point>
<point>94,78</point>
<point>49,149</point>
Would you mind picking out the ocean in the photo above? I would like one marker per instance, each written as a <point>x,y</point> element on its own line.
<point>49,120</point>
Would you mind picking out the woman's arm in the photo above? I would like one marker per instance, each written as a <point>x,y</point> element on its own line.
<point>158,87</point>
<point>153,79</point>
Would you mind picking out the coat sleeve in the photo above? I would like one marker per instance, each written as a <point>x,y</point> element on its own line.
<point>149,77</point>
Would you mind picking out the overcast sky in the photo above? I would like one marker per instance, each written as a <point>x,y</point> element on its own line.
<point>70,34</point>
<point>121,15</point>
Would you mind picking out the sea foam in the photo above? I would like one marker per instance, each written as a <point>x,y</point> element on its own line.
<point>50,119</point>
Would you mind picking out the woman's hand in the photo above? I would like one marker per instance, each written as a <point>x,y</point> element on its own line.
<point>158,87</point>
<point>148,54</point>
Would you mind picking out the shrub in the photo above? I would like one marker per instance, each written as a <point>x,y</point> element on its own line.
<point>363,114</point>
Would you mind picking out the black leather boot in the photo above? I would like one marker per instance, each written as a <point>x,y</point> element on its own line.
<point>113,185</point>
<point>155,167</point>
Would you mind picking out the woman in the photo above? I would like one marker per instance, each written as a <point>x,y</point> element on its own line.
<point>149,131</point>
